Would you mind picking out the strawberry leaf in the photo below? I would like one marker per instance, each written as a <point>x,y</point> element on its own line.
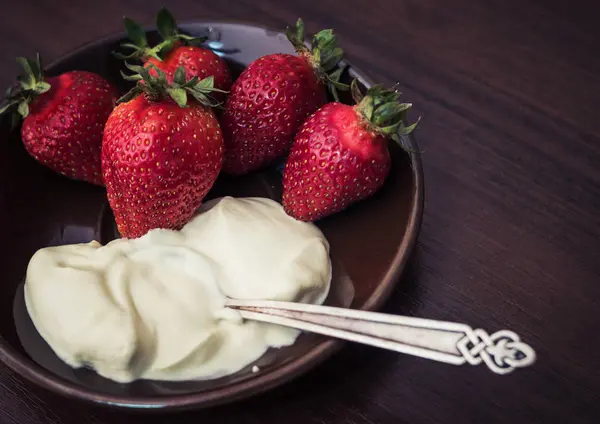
<point>25,64</point>
<point>130,95</point>
<point>203,96</point>
<point>355,90</point>
<point>167,28</point>
<point>135,77</point>
<point>26,82</point>
<point>334,93</point>
<point>43,86</point>
<point>324,56</point>
<point>165,23</point>
<point>162,79</point>
<point>403,142</point>
<point>7,106</point>
<point>367,108</point>
<point>205,84</point>
<point>389,112</point>
<point>296,36</point>
<point>134,68</point>
<point>23,109</point>
<point>179,77</point>
<point>156,86</point>
<point>164,47</point>
<point>192,82</point>
<point>383,112</point>
<point>336,75</point>
<point>36,72</point>
<point>332,59</point>
<point>324,39</point>
<point>135,32</point>
<point>30,85</point>
<point>200,97</point>
<point>334,83</point>
<point>407,130</point>
<point>139,42</point>
<point>121,56</point>
<point>190,40</point>
<point>390,130</point>
<point>179,95</point>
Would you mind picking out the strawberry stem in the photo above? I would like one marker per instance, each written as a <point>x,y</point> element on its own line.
<point>156,86</point>
<point>324,56</point>
<point>30,85</point>
<point>382,111</point>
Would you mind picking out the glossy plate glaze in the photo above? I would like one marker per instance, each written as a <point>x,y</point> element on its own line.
<point>370,244</point>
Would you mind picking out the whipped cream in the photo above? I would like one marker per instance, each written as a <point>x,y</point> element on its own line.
<point>153,307</point>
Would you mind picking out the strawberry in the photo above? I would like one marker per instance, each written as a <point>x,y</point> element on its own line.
<point>340,155</point>
<point>161,154</point>
<point>273,96</point>
<point>176,49</point>
<point>63,118</point>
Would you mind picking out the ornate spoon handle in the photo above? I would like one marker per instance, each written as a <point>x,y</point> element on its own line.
<point>442,341</point>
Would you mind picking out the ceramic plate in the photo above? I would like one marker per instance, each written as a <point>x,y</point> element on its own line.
<point>370,243</point>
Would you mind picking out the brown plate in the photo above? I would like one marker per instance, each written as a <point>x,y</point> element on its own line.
<point>370,244</point>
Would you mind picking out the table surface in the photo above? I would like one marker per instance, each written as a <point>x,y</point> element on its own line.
<point>509,92</point>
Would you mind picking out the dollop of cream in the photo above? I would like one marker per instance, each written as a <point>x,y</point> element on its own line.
<point>153,307</point>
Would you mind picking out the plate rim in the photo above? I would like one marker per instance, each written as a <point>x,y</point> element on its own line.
<point>261,383</point>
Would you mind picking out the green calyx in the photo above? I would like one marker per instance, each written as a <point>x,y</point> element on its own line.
<point>157,87</point>
<point>167,28</point>
<point>30,84</point>
<point>382,111</point>
<point>324,55</point>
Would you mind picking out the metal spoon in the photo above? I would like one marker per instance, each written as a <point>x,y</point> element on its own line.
<point>442,341</point>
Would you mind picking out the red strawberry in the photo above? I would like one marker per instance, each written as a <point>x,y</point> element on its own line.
<point>273,96</point>
<point>64,118</point>
<point>160,154</point>
<point>340,155</point>
<point>196,62</point>
<point>174,51</point>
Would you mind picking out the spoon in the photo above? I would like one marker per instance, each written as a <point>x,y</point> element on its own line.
<point>449,342</point>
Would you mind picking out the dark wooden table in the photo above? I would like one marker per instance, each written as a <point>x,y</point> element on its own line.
<point>509,92</point>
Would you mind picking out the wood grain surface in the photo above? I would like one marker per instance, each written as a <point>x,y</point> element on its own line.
<point>509,92</point>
